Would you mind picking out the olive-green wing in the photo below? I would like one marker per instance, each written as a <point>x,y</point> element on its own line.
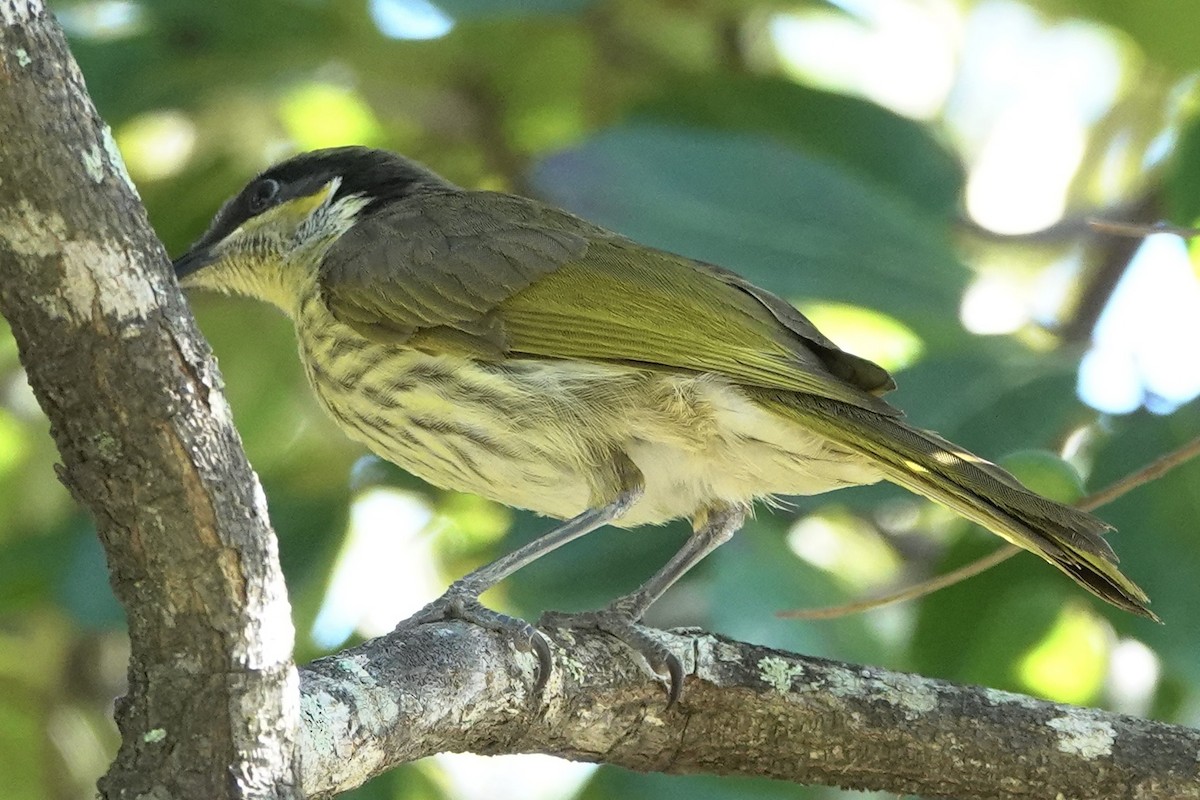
<point>439,263</point>
<point>502,276</point>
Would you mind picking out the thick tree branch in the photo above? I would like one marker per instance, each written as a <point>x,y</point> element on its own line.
<point>746,710</point>
<point>147,443</point>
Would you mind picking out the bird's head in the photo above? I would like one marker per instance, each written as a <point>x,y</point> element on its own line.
<point>267,241</point>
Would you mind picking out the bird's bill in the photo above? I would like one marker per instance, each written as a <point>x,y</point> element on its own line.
<point>286,215</point>
<point>191,261</point>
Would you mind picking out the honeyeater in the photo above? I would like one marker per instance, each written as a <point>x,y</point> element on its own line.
<point>492,344</point>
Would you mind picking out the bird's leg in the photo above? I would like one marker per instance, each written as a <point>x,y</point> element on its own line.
<point>621,617</point>
<point>461,600</point>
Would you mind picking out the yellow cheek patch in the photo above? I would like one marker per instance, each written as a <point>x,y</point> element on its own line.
<point>303,206</point>
<point>292,212</point>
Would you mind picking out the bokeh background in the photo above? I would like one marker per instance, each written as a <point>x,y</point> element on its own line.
<point>917,175</point>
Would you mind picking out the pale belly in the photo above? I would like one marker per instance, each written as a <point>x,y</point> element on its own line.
<point>541,435</point>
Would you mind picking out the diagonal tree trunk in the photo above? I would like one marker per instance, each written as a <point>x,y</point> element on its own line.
<point>147,443</point>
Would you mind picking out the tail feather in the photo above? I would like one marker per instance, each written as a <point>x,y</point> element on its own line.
<point>927,464</point>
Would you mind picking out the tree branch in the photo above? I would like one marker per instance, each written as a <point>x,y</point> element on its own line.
<point>147,443</point>
<point>746,710</point>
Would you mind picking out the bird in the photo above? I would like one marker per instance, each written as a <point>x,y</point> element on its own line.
<point>493,344</point>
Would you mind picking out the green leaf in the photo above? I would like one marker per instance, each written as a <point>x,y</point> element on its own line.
<point>406,782</point>
<point>894,152</point>
<point>1166,30</point>
<point>756,575</point>
<point>609,783</point>
<point>1045,473</point>
<point>1181,183</point>
<point>24,760</point>
<point>977,630</point>
<point>798,225</point>
<point>590,572</point>
<point>485,9</point>
<point>311,529</point>
<point>1156,534</point>
<point>992,396</point>
<point>83,587</point>
<point>29,568</point>
<point>182,50</point>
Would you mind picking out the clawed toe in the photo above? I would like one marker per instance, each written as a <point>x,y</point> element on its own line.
<point>545,661</point>
<point>465,606</point>
<point>462,604</point>
<point>623,626</point>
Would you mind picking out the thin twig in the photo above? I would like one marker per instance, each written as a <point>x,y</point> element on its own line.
<point>1152,471</point>
<point>909,592</point>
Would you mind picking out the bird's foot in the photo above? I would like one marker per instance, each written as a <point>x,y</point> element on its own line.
<point>624,625</point>
<point>462,602</point>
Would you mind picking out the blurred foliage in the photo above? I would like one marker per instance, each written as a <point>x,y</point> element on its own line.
<point>677,123</point>
<point>1182,183</point>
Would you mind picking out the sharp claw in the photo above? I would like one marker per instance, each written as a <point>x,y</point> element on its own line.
<point>675,670</point>
<point>619,623</point>
<point>545,662</point>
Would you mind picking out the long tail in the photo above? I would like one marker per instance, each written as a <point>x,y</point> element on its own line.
<point>925,463</point>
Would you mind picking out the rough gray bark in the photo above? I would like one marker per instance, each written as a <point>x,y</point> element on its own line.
<point>746,710</point>
<point>147,443</point>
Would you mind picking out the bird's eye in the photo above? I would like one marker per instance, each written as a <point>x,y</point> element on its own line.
<point>262,194</point>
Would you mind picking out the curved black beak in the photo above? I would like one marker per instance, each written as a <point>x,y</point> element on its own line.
<point>191,261</point>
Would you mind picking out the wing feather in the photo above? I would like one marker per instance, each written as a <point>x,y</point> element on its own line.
<point>523,280</point>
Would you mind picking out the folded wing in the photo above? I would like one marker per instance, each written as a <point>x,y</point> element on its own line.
<point>499,276</point>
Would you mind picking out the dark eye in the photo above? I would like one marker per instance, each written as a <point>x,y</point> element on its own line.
<point>262,194</point>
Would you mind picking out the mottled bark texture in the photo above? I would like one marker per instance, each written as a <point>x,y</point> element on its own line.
<point>147,443</point>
